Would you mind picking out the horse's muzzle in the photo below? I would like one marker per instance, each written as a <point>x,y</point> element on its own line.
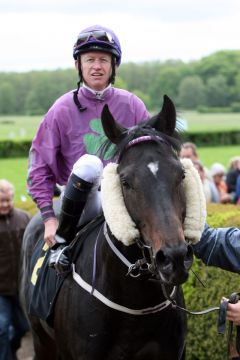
<point>174,263</point>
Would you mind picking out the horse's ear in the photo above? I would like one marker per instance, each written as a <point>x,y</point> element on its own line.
<point>112,129</point>
<point>165,121</point>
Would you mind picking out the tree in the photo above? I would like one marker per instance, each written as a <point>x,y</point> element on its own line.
<point>217,91</point>
<point>7,98</point>
<point>191,92</point>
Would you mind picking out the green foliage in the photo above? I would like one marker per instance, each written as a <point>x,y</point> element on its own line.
<point>218,138</point>
<point>9,148</point>
<point>214,109</point>
<point>217,91</point>
<point>191,92</point>
<point>212,81</point>
<point>203,340</point>
<point>235,107</point>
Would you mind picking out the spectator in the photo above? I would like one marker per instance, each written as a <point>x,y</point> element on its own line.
<point>209,188</point>
<point>13,222</point>
<point>189,151</point>
<point>232,175</point>
<point>217,172</point>
<point>238,191</point>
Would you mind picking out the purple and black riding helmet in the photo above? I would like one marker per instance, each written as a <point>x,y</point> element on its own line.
<point>98,38</point>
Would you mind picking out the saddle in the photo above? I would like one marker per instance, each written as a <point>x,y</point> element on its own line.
<point>45,281</point>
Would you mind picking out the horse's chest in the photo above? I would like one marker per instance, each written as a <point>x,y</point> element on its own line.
<point>132,339</point>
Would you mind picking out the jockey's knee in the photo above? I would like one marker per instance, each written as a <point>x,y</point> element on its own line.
<point>89,168</point>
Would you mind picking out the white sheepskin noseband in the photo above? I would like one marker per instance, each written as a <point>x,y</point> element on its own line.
<point>114,209</point>
<point>196,212</point>
<point>122,225</point>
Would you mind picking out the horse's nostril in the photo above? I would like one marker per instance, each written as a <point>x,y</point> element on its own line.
<point>164,262</point>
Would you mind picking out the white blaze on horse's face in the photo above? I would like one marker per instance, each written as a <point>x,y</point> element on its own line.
<point>153,167</point>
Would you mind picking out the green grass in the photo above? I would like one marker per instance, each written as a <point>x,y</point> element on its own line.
<point>24,127</point>
<point>198,122</point>
<point>222,154</point>
<point>15,170</point>
<point>18,127</point>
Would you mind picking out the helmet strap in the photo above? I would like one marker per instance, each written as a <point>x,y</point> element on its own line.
<point>75,93</point>
<point>112,77</point>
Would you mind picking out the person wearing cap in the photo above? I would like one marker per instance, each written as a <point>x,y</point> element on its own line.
<point>217,172</point>
<point>70,134</point>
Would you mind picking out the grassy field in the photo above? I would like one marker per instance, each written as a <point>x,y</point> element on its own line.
<point>220,154</point>
<point>201,122</point>
<point>15,170</point>
<point>24,127</point>
<point>18,127</point>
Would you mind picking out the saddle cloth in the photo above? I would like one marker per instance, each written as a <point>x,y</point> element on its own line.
<point>45,281</point>
<point>45,284</point>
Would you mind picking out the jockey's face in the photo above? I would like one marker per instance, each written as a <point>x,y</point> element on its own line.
<point>96,69</point>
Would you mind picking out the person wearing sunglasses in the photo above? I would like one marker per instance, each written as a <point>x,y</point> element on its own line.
<point>63,150</point>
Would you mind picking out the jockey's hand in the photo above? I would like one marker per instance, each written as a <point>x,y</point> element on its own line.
<point>233,313</point>
<point>50,231</point>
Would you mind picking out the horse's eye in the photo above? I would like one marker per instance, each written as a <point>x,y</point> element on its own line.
<point>125,183</point>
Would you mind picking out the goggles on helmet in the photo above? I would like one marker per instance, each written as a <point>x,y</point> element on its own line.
<point>97,34</point>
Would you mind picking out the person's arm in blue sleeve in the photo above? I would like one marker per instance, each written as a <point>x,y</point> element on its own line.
<point>220,247</point>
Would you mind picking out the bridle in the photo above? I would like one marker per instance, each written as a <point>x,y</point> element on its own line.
<point>141,139</point>
<point>143,267</point>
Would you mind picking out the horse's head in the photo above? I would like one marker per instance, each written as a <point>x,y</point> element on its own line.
<point>151,178</point>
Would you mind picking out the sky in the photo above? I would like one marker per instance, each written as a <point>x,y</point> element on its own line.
<point>39,34</point>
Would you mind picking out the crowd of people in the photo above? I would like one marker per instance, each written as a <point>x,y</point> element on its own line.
<point>60,154</point>
<point>220,185</point>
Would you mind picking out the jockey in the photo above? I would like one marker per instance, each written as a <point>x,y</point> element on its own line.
<point>71,132</point>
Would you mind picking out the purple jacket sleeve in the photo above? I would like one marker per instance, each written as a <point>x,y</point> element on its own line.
<point>44,159</point>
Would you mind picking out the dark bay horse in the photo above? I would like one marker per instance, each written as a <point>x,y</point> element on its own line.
<point>116,303</point>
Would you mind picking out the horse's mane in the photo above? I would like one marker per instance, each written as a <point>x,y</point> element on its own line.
<point>137,131</point>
